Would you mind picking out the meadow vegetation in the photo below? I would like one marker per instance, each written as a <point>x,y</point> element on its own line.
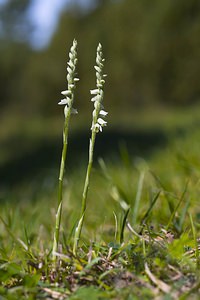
<point>124,253</point>
<point>140,232</point>
<point>140,235</point>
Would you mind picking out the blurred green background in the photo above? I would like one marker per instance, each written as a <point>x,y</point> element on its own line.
<point>152,93</point>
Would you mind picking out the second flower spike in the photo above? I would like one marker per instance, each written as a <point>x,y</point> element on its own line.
<point>97,122</point>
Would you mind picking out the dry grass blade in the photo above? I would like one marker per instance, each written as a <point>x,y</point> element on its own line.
<point>159,283</point>
<point>54,294</point>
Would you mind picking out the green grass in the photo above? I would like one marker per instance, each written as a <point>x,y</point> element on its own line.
<point>124,253</point>
<point>139,238</point>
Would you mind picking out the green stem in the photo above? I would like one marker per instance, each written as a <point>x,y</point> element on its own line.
<point>85,192</point>
<point>60,187</point>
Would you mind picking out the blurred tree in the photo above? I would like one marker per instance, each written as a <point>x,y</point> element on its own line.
<point>179,47</point>
<point>14,22</point>
<point>14,53</point>
<point>151,49</point>
<point>13,59</point>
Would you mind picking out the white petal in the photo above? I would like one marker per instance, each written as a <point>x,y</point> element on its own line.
<point>66,110</point>
<point>74,111</point>
<point>94,92</point>
<point>96,98</point>
<point>103,113</point>
<point>70,64</point>
<point>97,69</point>
<point>63,102</point>
<point>76,79</point>
<point>98,105</point>
<point>101,122</point>
<point>71,55</point>
<point>66,93</point>
<point>96,127</point>
<point>69,70</point>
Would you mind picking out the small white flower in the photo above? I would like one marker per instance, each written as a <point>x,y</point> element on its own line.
<point>96,98</point>
<point>96,127</point>
<point>69,70</point>
<point>97,69</point>
<point>71,55</point>
<point>94,92</point>
<point>102,81</point>
<point>103,113</point>
<point>63,101</point>
<point>70,63</point>
<point>73,110</point>
<point>66,93</point>
<point>101,122</point>
<point>98,105</point>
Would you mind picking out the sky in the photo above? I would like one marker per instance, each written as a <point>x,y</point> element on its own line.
<point>44,15</point>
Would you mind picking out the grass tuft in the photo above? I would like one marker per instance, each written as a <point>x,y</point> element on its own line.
<point>141,233</point>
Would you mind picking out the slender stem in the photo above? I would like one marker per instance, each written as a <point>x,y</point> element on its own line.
<point>138,196</point>
<point>60,186</point>
<point>89,168</point>
<point>85,192</point>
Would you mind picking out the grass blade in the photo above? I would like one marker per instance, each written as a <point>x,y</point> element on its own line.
<point>138,197</point>
<point>171,220</point>
<point>147,214</point>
